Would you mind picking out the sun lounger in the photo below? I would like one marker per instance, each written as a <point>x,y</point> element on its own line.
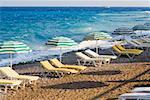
<point>136,51</point>
<point>123,51</point>
<point>58,64</point>
<point>86,60</point>
<point>10,83</point>
<point>138,44</point>
<point>139,93</point>
<point>143,43</point>
<point>135,96</point>
<point>143,40</point>
<point>46,65</point>
<point>96,55</point>
<point>10,73</point>
<point>146,39</point>
<point>135,44</point>
<point>141,89</point>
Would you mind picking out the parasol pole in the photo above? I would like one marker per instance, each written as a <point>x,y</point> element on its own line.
<point>96,46</point>
<point>11,60</point>
<point>60,56</point>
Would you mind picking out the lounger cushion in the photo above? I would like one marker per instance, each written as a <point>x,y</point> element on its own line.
<point>32,78</point>
<point>10,82</point>
<point>9,72</point>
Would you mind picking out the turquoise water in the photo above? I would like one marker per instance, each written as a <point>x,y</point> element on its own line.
<point>35,25</point>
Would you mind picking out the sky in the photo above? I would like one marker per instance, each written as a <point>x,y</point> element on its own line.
<point>120,3</point>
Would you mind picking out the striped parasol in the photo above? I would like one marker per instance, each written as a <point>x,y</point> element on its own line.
<point>61,42</point>
<point>13,47</point>
<point>145,27</point>
<point>123,31</point>
<point>148,24</point>
<point>98,36</point>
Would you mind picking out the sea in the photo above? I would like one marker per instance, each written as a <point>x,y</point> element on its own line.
<point>36,25</point>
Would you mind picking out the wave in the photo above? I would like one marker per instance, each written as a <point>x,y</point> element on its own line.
<point>129,13</point>
<point>148,12</point>
<point>119,14</point>
<point>36,55</point>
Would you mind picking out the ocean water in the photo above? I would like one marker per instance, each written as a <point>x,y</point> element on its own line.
<point>35,25</point>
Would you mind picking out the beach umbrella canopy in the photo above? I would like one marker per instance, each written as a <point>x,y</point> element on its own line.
<point>141,27</point>
<point>98,36</point>
<point>13,47</point>
<point>123,31</point>
<point>61,42</point>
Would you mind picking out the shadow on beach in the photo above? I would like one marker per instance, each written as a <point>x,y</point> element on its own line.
<point>43,74</point>
<point>76,85</point>
<point>121,81</point>
<point>143,85</point>
<point>133,79</point>
<point>52,74</point>
<point>105,72</point>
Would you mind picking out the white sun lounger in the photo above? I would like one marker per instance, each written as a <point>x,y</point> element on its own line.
<point>146,39</point>
<point>135,96</point>
<point>86,60</point>
<point>96,55</point>
<point>141,89</point>
<point>139,43</point>
<point>139,93</point>
<point>135,44</point>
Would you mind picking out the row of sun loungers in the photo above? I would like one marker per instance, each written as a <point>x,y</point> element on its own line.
<point>90,57</point>
<point>16,80</point>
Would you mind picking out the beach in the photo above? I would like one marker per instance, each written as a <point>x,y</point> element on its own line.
<point>103,83</point>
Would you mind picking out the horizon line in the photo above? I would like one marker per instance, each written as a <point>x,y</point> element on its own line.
<point>82,6</point>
